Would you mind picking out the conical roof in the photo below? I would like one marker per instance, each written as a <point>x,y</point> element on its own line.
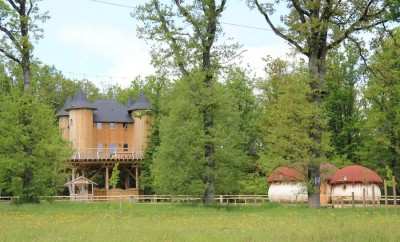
<point>355,174</point>
<point>79,101</point>
<point>62,112</point>
<point>130,102</point>
<point>285,174</point>
<point>142,103</point>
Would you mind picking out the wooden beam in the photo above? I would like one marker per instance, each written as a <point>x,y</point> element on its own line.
<point>137,177</point>
<point>73,178</point>
<point>106,180</point>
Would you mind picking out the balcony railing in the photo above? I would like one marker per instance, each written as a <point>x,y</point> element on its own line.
<point>107,154</point>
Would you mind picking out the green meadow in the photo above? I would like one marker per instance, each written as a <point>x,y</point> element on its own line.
<point>164,222</point>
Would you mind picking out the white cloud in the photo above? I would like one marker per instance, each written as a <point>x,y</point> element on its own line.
<point>126,54</point>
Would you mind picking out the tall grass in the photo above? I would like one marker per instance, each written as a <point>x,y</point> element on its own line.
<point>145,222</point>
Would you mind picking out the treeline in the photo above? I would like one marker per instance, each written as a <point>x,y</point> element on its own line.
<point>218,129</point>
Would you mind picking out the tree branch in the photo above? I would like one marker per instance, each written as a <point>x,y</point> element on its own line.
<point>30,8</point>
<point>188,17</point>
<point>221,7</point>
<point>172,39</point>
<point>11,37</point>
<point>12,3</point>
<point>302,12</point>
<point>9,55</point>
<point>355,26</point>
<point>277,32</point>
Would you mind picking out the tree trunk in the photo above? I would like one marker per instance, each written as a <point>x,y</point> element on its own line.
<point>208,120</point>
<point>25,46</point>
<point>26,70</point>
<point>317,69</point>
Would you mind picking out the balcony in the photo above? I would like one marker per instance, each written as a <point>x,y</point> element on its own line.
<point>100,154</point>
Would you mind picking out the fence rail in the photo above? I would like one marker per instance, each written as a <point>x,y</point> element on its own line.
<point>336,201</point>
<point>222,199</point>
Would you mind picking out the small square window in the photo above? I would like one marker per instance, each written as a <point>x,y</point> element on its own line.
<point>99,125</point>
<point>112,125</point>
<point>125,125</point>
<point>125,147</point>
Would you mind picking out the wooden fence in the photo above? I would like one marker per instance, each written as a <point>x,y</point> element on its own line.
<point>154,199</point>
<point>337,202</point>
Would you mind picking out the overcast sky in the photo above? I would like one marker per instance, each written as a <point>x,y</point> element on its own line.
<point>86,39</point>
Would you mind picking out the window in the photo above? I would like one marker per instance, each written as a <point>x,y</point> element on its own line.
<point>70,122</point>
<point>125,147</point>
<point>99,125</point>
<point>125,125</point>
<point>112,125</point>
<point>113,148</point>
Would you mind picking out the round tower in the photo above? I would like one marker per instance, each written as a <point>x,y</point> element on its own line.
<point>81,132</point>
<point>141,114</point>
<point>63,117</point>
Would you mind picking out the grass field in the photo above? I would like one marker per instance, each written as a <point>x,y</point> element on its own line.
<point>145,222</point>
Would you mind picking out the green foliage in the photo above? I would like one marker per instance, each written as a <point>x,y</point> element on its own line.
<point>31,150</point>
<point>341,105</point>
<point>381,127</point>
<point>179,166</point>
<point>288,121</point>
<point>114,180</point>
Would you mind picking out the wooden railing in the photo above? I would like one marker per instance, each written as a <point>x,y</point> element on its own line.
<point>107,154</point>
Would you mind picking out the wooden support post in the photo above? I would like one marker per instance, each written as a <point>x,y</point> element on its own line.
<point>352,199</point>
<point>394,190</point>
<point>73,178</point>
<point>137,178</point>
<point>220,199</point>
<point>364,197</point>
<point>106,181</point>
<point>385,192</point>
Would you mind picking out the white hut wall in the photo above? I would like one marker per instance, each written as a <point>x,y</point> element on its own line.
<point>288,192</point>
<point>346,190</point>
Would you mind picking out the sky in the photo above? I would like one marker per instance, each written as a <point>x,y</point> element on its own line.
<point>89,40</point>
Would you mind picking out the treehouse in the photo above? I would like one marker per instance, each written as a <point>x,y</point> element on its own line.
<point>105,133</point>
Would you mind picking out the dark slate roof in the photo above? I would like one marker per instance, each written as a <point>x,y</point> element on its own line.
<point>110,111</point>
<point>61,112</point>
<point>141,104</point>
<point>79,101</point>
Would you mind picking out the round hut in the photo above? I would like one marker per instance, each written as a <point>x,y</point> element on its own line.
<point>357,179</point>
<point>287,185</point>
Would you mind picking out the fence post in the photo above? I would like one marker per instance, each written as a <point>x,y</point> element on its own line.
<point>364,197</point>
<point>352,199</point>
<point>385,191</point>
<point>394,190</point>
<point>221,199</point>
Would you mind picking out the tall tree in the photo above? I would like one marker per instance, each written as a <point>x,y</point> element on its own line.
<point>381,129</point>
<point>288,118</point>
<point>314,28</point>
<point>32,153</point>
<point>193,49</point>
<point>19,26</point>
<point>342,102</point>
<point>241,88</point>
<point>180,166</point>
